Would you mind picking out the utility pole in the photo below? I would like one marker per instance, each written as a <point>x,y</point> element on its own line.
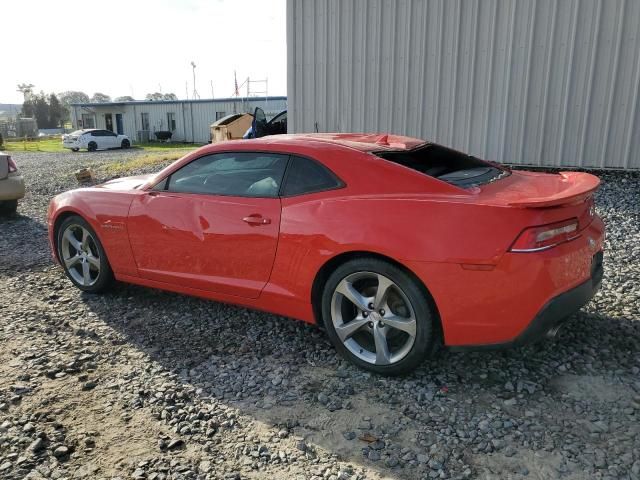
<point>195,92</point>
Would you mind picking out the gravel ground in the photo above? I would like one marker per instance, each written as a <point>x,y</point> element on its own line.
<point>144,384</point>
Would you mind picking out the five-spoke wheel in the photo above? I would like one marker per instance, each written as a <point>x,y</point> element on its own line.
<point>377,316</point>
<point>82,255</point>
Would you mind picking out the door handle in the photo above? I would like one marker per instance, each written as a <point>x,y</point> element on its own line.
<point>256,220</point>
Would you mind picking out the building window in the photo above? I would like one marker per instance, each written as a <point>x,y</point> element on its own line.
<point>88,121</point>
<point>171,121</point>
<point>145,120</point>
<point>220,115</point>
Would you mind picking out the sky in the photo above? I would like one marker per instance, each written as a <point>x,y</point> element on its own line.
<point>135,47</point>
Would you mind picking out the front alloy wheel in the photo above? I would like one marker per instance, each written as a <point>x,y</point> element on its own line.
<point>377,316</point>
<point>82,255</point>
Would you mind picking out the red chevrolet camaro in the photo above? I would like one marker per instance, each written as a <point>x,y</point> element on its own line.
<point>390,243</point>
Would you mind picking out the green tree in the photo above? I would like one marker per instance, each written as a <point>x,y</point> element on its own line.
<point>170,96</point>
<point>125,98</point>
<point>155,96</point>
<point>56,111</point>
<point>100,98</point>
<point>46,109</point>
<point>71,96</point>
<point>28,109</point>
<point>41,110</point>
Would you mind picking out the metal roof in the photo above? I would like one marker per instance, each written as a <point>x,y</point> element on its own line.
<point>161,102</point>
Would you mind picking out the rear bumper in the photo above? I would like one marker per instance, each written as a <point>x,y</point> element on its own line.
<point>510,302</point>
<point>554,314</point>
<point>12,188</point>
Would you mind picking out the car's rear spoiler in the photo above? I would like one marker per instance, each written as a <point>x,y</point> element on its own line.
<point>573,187</point>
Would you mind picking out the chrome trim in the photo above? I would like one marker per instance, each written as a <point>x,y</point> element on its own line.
<point>542,249</point>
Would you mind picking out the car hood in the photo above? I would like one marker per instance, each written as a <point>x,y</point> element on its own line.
<point>126,183</point>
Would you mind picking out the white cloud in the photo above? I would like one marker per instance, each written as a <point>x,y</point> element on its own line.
<point>124,46</point>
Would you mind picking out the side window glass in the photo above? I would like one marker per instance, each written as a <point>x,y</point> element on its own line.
<point>160,186</point>
<point>239,174</point>
<point>307,176</point>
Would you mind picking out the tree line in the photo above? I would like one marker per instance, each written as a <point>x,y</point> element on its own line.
<point>52,111</point>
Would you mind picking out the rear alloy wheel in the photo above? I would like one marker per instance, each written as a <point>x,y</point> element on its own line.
<point>377,316</point>
<point>82,256</point>
<point>125,144</point>
<point>92,147</point>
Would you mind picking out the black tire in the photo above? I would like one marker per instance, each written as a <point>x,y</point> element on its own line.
<point>92,147</point>
<point>425,331</point>
<point>125,143</point>
<point>8,207</point>
<point>75,149</point>
<point>104,279</point>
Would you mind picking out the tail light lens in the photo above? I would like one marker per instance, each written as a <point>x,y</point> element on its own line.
<point>12,165</point>
<point>535,239</point>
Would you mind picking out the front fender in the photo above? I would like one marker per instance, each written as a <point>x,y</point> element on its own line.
<point>106,212</point>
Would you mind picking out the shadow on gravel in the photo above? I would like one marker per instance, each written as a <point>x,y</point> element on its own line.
<point>23,244</point>
<point>284,373</point>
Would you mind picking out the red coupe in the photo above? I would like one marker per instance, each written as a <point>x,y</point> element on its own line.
<point>392,244</point>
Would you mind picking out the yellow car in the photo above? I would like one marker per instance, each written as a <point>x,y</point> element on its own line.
<point>11,184</point>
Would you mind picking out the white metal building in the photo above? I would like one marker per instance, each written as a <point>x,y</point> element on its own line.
<point>189,120</point>
<point>537,82</point>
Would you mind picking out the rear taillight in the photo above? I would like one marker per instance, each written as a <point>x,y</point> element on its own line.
<point>535,239</point>
<point>12,165</point>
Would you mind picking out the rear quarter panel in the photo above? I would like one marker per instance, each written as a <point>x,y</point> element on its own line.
<point>315,229</point>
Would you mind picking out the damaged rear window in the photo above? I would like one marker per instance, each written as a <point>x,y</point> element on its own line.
<point>446,164</point>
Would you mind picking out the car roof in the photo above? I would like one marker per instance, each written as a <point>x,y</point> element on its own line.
<point>364,142</point>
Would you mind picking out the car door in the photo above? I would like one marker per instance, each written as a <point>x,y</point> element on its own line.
<point>278,124</point>
<point>259,123</point>
<point>109,139</point>
<point>212,225</point>
<point>95,136</point>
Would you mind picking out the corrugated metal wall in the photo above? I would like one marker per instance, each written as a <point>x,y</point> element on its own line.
<point>538,82</point>
<point>193,118</point>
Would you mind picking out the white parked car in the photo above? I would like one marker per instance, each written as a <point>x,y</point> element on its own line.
<point>94,139</point>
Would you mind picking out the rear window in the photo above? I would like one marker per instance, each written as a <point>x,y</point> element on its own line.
<point>308,176</point>
<point>446,164</point>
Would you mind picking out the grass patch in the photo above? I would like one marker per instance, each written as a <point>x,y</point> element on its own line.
<point>122,167</point>
<point>54,145</point>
